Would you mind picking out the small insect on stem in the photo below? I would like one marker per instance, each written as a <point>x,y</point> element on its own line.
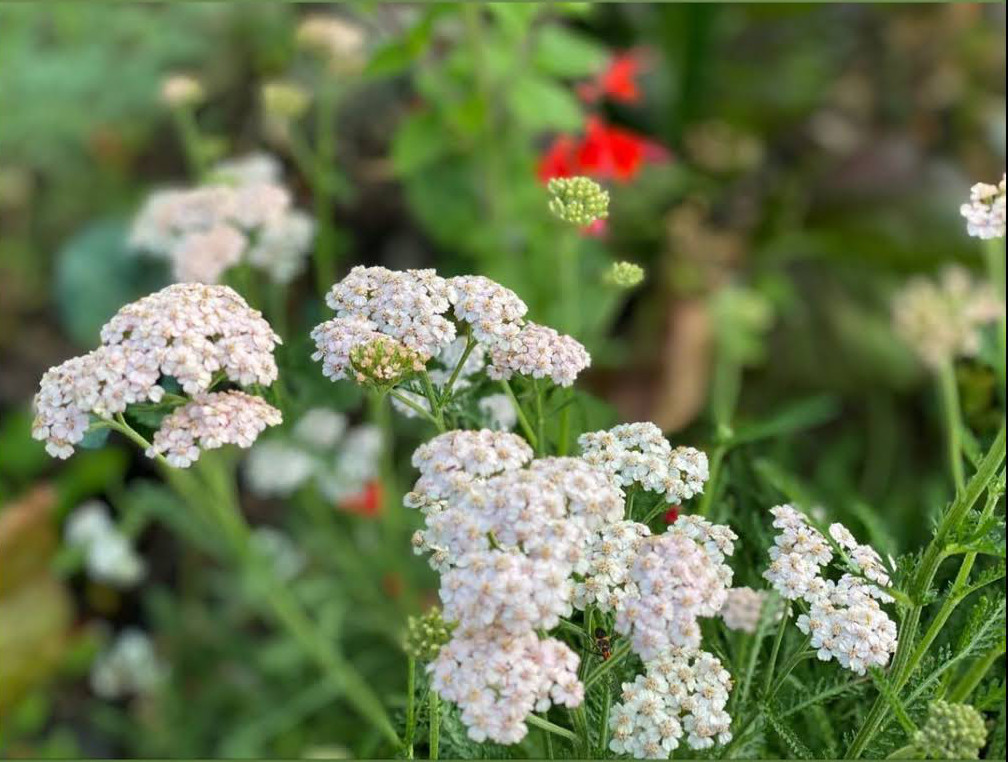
<point>603,643</point>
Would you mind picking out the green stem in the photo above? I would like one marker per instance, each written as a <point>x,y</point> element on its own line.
<point>768,674</point>
<point>603,730</point>
<point>540,418</point>
<point>325,155</point>
<point>432,400</point>
<point>192,141</point>
<point>994,255</point>
<point>523,421</point>
<point>434,710</point>
<point>969,681</point>
<point>417,409</point>
<point>446,391</point>
<point>536,721</point>
<point>953,424</point>
<point>618,655</point>
<point>711,488</point>
<point>410,706</point>
<point>569,275</point>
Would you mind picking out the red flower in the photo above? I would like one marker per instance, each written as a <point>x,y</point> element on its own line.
<point>366,503</point>
<point>672,514</point>
<point>618,82</point>
<point>605,152</point>
<point>558,161</point>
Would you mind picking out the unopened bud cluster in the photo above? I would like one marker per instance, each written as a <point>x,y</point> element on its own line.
<point>624,275</point>
<point>425,635</point>
<point>578,200</point>
<point>952,731</point>
<point>284,100</point>
<point>383,361</point>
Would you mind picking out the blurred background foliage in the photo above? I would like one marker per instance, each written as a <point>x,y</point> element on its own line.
<point>812,157</point>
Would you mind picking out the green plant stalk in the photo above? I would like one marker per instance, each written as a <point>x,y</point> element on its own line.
<point>540,419</point>
<point>725,387</point>
<point>191,140</point>
<point>523,420</point>
<point>953,423</point>
<point>969,681</point>
<point>325,156</point>
<point>410,706</point>
<point>434,722</point>
<point>538,722</point>
<point>563,446</point>
<point>432,399</point>
<point>284,606</point>
<point>470,345</point>
<point>903,665</point>
<point>619,653</point>
<point>418,410</point>
<point>603,730</point>
<point>769,672</point>
<point>568,268</point>
<point>711,488</point>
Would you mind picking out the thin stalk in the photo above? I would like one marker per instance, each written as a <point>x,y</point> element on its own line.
<point>417,409</point>
<point>446,391</point>
<point>432,400</point>
<point>569,276</point>
<point>953,424</point>
<point>619,653</point>
<point>603,730</point>
<point>192,141</point>
<point>540,418</point>
<point>994,255</point>
<point>536,721</point>
<point>711,488</point>
<point>776,649</point>
<point>325,155</point>
<point>523,420</point>
<point>969,681</point>
<point>434,722</point>
<point>410,706</point>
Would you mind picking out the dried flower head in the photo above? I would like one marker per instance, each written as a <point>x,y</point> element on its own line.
<point>985,210</point>
<point>941,320</point>
<point>624,275</point>
<point>179,90</point>
<point>578,200</point>
<point>540,352</point>
<point>384,362</point>
<point>211,421</point>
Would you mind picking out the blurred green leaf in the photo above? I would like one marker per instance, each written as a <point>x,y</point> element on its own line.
<point>565,53</point>
<point>540,104</point>
<point>419,141</point>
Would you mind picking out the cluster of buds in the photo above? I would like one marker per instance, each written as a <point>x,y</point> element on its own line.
<point>578,200</point>
<point>383,362</point>
<point>339,43</point>
<point>426,634</point>
<point>182,91</point>
<point>952,731</point>
<point>283,101</point>
<point>624,275</point>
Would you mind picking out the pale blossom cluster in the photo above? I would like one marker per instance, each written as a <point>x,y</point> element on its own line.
<point>681,693</point>
<point>677,580</point>
<point>942,320</point>
<point>844,620</point>
<point>190,332</point>
<point>209,421</point>
<point>538,351</point>
<point>985,210</point>
<point>743,608</point>
<point>638,453</point>
<point>243,214</point>
<point>109,556</point>
<point>130,666</point>
<point>497,679</point>
<point>338,41</point>
<point>424,312</point>
<point>606,581</point>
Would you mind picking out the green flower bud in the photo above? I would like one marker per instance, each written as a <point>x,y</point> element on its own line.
<point>384,362</point>
<point>952,731</point>
<point>425,635</point>
<point>284,100</point>
<point>624,275</point>
<point>578,200</point>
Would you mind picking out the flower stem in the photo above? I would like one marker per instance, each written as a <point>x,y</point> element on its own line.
<point>994,254</point>
<point>434,708</point>
<point>523,420</point>
<point>446,391</point>
<point>192,141</point>
<point>540,418</point>
<point>953,423</point>
<point>536,721</point>
<point>965,687</point>
<point>410,706</point>
<point>325,155</point>
<point>768,675</point>
<point>619,653</point>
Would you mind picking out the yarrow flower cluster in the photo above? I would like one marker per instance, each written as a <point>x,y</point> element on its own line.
<point>952,731</point>
<point>578,200</point>
<point>624,275</point>
<point>638,453</point>
<point>681,693</point>
<point>243,214</point>
<point>130,666</point>
<point>985,210</point>
<point>210,421</point>
<point>941,320</point>
<point>422,311</point>
<point>498,679</point>
<point>677,578</point>
<point>606,580</point>
<point>743,608</point>
<point>109,556</point>
<point>190,332</point>
<point>845,620</point>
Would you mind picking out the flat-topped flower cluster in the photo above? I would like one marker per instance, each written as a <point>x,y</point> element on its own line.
<point>521,542</point>
<point>985,210</point>
<point>844,619</point>
<point>193,333</point>
<point>241,214</point>
<point>423,312</point>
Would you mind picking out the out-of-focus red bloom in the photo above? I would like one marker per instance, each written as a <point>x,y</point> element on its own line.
<point>366,503</point>
<point>596,229</point>
<point>618,82</point>
<point>672,514</point>
<point>605,152</point>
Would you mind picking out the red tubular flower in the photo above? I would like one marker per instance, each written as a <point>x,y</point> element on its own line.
<point>366,503</point>
<point>558,161</point>
<point>615,153</point>
<point>672,514</point>
<point>618,82</point>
